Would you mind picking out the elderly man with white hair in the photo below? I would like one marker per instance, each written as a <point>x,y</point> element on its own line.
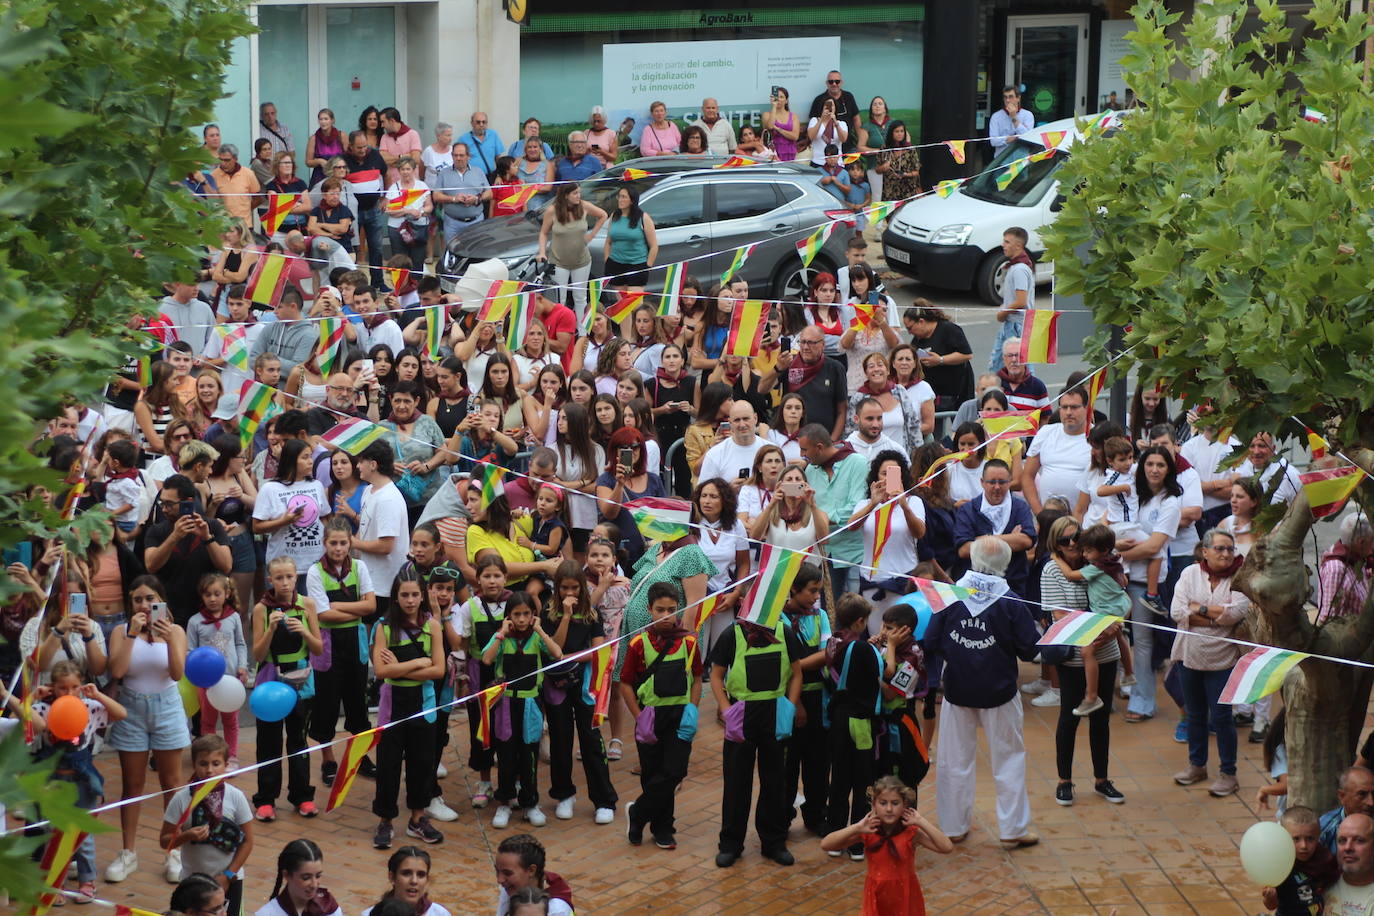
<point>978,641</point>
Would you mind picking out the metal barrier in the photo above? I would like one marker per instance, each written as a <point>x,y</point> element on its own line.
<point>944,419</point>
<point>667,470</point>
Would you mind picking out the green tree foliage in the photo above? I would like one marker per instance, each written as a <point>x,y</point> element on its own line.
<point>100,102</point>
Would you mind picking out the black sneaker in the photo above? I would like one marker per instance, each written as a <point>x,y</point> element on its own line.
<point>634,831</point>
<point>1156,604</point>
<point>666,841</point>
<point>1108,791</point>
<point>1257,735</point>
<point>367,769</point>
<point>1240,718</point>
<point>382,838</point>
<point>856,852</point>
<point>1063,794</point>
<point>423,830</point>
<point>726,859</point>
<point>328,770</point>
<point>780,856</point>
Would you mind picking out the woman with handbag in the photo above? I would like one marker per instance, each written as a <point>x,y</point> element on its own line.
<point>408,213</point>
<point>416,440</point>
<point>889,536</point>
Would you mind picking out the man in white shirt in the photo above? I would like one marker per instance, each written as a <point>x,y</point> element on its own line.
<point>383,537</point>
<point>1205,454</point>
<point>720,136</point>
<point>1009,120</point>
<point>1018,291</point>
<point>377,328</point>
<point>1264,463</point>
<point>1353,895</point>
<point>867,439</point>
<point>732,458</point>
<point>1059,454</point>
<point>242,326</point>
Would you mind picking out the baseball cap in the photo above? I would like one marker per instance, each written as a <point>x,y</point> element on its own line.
<point>227,408</point>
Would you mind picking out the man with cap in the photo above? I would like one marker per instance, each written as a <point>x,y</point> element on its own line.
<point>225,417</point>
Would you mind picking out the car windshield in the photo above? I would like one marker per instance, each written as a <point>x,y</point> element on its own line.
<point>1027,188</point>
<point>601,192</point>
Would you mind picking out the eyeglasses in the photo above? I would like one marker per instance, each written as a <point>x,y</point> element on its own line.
<point>221,909</point>
<point>811,343</point>
<point>997,483</point>
<point>1223,549</point>
<point>169,505</point>
<point>834,82</point>
<point>445,573</point>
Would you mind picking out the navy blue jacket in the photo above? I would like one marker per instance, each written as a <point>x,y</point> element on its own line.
<point>980,653</point>
<point>970,523</point>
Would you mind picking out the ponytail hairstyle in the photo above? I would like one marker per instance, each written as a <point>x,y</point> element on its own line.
<point>530,851</point>
<point>292,856</point>
<point>530,896</point>
<point>585,613</point>
<point>193,892</point>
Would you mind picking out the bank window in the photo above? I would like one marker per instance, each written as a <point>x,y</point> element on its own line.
<point>680,206</point>
<point>739,200</point>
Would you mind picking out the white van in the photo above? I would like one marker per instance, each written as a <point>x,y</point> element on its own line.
<point>955,242</point>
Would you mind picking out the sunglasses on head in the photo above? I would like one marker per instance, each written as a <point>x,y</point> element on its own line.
<point>447,573</point>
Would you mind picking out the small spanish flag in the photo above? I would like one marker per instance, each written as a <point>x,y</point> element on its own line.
<point>355,749</point>
<point>521,197</point>
<point>500,297</point>
<point>1094,384</point>
<point>937,466</point>
<point>1052,138</point>
<point>202,792</point>
<point>1005,423</point>
<point>486,702</point>
<point>1328,490</point>
<point>396,277</point>
<point>1316,443</point>
<point>707,608</point>
<point>622,308</point>
<point>632,174</point>
<point>882,530</point>
<point>747,324</point>
<point>405,198</point>
<point>735,162</point>
<point>268,280</point>
<point>278,209</point>
<point>863,315</point>
<point>1039,336</point>
<point>57,855</point>
<point>956,149</point>
<point>849,158</point>
<point>122,910</point>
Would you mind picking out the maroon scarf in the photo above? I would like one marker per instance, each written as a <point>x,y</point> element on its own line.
<point>791,518</point>
<point>867,388</point>
<point>799,374</point>
<point>1224,572</point>
<point>126,474</point>
<point>225,614</point>
<point>842,450</point>
<point>322,904</point>
<point>1023,258</point>
<point>399,131</point>
<point>663,375</point>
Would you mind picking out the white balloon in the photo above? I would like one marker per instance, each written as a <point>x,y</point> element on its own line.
<point>1266,852</point>
<point>228,695</point>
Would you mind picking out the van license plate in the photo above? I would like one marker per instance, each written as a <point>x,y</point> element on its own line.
<point>895,254</point>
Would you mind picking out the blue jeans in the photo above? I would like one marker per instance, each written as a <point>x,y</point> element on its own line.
<point>1010,328</point>
<point>374,229</point>
<point>1201,689</point>
<point>1143,693</point>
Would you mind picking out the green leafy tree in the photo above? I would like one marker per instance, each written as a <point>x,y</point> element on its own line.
<point>1234,234</point>
<point>100,102</point>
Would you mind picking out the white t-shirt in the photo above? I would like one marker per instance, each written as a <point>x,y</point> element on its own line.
<point>753,499</point>
<point>581,506</point>
<point>160,469</point>
<point>1063,459</point>
<point>1020,278</point>
<point>1343,900</point>
<point>1158,515</point>
<point>725,459</point>
<point>721,551</point>
<point>301,540</point>
<point>1182,544</point>
<point>1206,457</point>
<point>384,515</point>
<point>1122,507</point>
<point>1088,484</point>
<point>899,553</point>
<point>126,491</point>
<point>314,586</point>
<point>1287,489</point>
<point>204,857</point>
<point>528,367</point>
<point>791,450</point>
<point>918,394</point>
<point>870,450</point>
<point>435,162</point>
<point>273,908</point>
<point>965,483</point>
<point>388,332</point>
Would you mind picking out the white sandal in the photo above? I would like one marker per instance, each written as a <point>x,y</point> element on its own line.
<point>615,750</point>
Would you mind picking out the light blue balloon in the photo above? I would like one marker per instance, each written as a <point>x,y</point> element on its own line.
<point>272,701</point>
<point>205,666</point>
<point>923,610</point>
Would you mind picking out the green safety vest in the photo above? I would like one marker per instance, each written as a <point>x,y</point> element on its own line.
<point>287,650</point>
<point>762,672</point>
<point>406,651</point>
<point>671,682</point>
<point>484,625</point>
<point>513,660</point>
<point>345,590</point>
<point>812,636</point>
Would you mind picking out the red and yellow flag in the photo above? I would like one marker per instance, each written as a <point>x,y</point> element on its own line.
<point>500,297</point>
<point>268,279</point>
<point>522,196</point>
<point>603,663</point>
<point>405,198</point>
<point>863,315</point>
<point>622,308</point>
<point>1093,384</point>
<point>747,324</point>
<point>57,855</point>
<point>956,149</point>
<point>1328,490</point>
<point>1006,423</point>
<point>486,701</point>
<point>735,162</point>
<point>882,531</point>
<point>632,174</point>
<point>1052,138</point>
<point>848,158</point>
<point>202,791</point>
<point>396,277</point>
<point>122,910</point>
<point>1317,444</point>
<point>935,466</point>
<point>707,608</point>
<point>355,749</point>
<point>278,209</point>
<point>1040,337</point>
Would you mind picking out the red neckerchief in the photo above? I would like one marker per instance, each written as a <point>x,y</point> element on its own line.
<point>644,342</point>
<point>765,495</point>
<point>788,437</point>
<point>592,576</point>
<point>790,518</point>
<point>225,613</point>
<point>881,840</point>
<point>399,131</point>
<point>272,603</point>
<point>126,474</point>
<point>1012,384</point>
<point>665,641</point>
<point>799,374</point>
<point>1181,464</point>
<point>375,320</point>
<point>1023,258</point>
<point>756,635</point>
<point>867,388</point>
<point>731,378</point>
<point>1111,565</point>
<point>322,904</point>
<point>338,574</point>
<point>842,450</point>
<point>1225,572</point>
<point>663,375</point>
<point>230,172</point>
<point>558,400</point>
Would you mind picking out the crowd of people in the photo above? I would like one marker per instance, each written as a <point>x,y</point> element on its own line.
<point>383,583</point>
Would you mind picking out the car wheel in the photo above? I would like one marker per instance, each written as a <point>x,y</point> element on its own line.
<point>991,274</point>
<point>792,281</point>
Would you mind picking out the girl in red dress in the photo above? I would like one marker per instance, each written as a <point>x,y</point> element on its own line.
<point>890,833</point>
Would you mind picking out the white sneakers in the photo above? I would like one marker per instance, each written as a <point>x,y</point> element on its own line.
<point>124,865</point>
<point>172,869</point>
<point>1036,687</point>
<point>501,819</point>
<point>440,811</point>
<point>535,817</point>
<point>564,811</point>
<point>605,815</point>
<point>441,771</point>
<point>1049,698</point>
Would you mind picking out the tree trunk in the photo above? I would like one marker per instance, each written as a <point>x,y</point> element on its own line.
<point>1317,732</point>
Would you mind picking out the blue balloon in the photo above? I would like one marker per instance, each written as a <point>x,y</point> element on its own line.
<point>923,611</point>
<point>272,701</point>
<point>205,666</point>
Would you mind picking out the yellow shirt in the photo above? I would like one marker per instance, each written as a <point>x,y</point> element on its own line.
<point>480,539</point>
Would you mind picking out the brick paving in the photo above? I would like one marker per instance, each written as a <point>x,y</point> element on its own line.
<point>1166,851</point>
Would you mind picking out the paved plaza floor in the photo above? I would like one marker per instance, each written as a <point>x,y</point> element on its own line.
<point>1167,850</point>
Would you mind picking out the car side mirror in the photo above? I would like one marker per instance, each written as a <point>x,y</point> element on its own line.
<point>1057,204</point>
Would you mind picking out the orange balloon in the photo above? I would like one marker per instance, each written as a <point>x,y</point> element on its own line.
<point>67,718</point>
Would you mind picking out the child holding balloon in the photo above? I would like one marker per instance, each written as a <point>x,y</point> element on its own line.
<point>73,712</point>
<point>219,628</point>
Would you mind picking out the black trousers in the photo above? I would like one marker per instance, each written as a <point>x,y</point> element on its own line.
<point>1073,686</point>
<point>344,684</point>
<point>565,718</point>
<point>662,767</point>
<point>770,816</point>
<point>269,746</point>
<point>851,772</point>
<point>412,743</point>
<point>806,761</point>
<point>480,759</point>
<point>440,727</point>
<point>517,761</point>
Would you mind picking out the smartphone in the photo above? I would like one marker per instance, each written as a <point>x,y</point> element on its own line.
<point>893,480</point>
<point>76,604</point>
<point>158,612</point>
<point>786,342</point>
<point>188,507</point>
<point>724,427</point>
<point>791,488</point>
<point>20,553</point>
<point>627,457</point>
<point>369,368</point>
<point>776,91</point>
<point>922,353</point>
<point>743,473</point>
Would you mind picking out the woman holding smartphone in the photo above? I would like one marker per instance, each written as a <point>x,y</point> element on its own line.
<point>889,479</point>
<point>792,518</point>
<point>626,477</point>
<point>149,654</point>
<point>670,393</point>
<point>758,489</point>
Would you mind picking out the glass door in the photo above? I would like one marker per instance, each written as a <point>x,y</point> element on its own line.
<point>1047,56</point>
<point>361,68</point>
